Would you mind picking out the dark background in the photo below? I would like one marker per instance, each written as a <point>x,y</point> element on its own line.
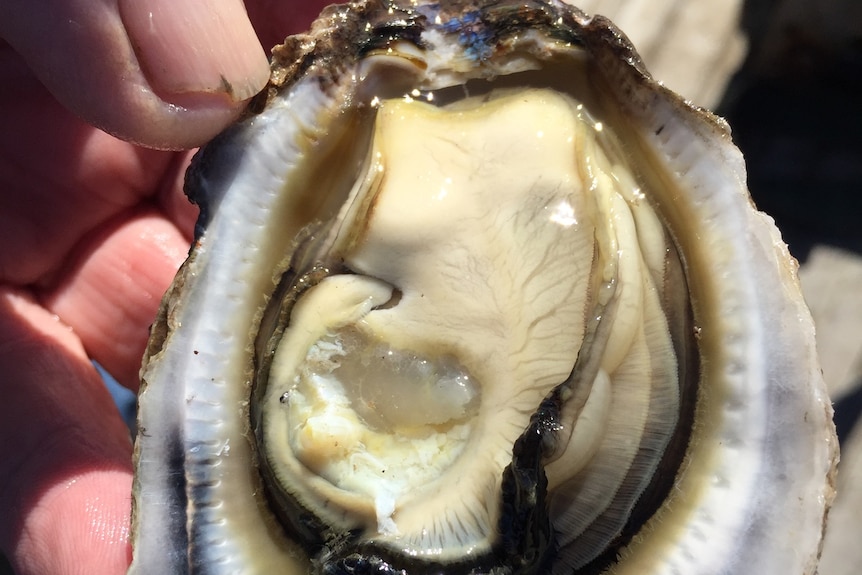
<point>795,108</point>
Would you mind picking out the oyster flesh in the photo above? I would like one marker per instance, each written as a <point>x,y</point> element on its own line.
<point>472,293</point>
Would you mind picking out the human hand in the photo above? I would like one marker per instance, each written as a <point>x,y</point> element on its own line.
<point>92,229</point>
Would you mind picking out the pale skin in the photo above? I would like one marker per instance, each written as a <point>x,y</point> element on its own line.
<point>92,230</point>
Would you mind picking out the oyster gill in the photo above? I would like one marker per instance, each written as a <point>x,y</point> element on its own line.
<point>471,293</point>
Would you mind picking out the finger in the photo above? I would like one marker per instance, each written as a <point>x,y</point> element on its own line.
<point>61,178</point>
<point>163,73</point>
<point>192,47</point>
<point>65,473</point>
<point>110,293</point>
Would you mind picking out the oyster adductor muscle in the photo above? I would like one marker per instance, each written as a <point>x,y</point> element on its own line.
<point>472,293</point>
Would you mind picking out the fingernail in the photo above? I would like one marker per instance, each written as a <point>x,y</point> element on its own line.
<point>189,48</point>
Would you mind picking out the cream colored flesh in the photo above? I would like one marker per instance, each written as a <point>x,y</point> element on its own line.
<point>487,221</point>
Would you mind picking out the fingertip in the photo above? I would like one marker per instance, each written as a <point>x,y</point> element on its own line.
<point>196,48</point>
<point>112,292</point>
<point>78,526</point>
<point>132,83</point>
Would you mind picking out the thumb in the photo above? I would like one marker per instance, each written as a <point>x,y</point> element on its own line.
<point>162,73</point>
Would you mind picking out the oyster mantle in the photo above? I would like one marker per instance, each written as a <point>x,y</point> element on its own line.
<point>601,244</point>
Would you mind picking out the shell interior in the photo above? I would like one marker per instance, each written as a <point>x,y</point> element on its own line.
<point>472,293</point>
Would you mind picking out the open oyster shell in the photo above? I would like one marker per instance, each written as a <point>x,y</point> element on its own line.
<point>472,293</point>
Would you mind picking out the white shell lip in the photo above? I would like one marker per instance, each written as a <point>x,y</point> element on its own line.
<point>753,492</point>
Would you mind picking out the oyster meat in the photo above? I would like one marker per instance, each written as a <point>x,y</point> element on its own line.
<point>472,293</point>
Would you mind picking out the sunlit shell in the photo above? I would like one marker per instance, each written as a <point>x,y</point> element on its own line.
<point>471,293</point>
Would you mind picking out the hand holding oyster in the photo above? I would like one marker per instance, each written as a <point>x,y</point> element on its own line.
<point>472,293</point>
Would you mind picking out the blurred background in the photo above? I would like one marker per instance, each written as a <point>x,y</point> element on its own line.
<point>787,75</point>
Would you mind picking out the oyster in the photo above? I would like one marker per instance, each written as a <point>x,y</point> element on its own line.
<point>471,293</point>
